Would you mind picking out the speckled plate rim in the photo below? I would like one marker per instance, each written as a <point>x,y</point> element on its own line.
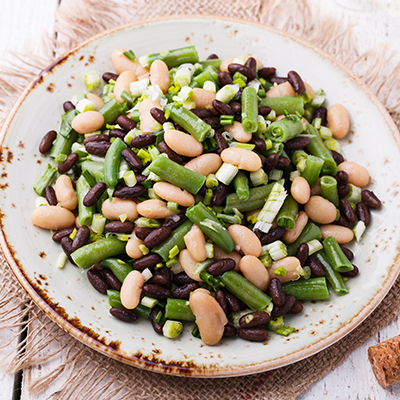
<point>176,369</point>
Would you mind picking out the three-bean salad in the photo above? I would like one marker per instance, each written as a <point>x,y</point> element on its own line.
<point>205,191</point>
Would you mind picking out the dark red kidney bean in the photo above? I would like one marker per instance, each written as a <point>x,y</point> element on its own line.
<point>157,326</point>
<point>237,118</point>
<point>174,222</point>
<point>149,261</point>
<point>97,138</point>
<point>297,143</point>
<point>351,274</point>
<point>296,82</point>
<point>219,267</point>
<point>229,331</point>
<point>219,194</point>
<point>251,63</point>
<point>220,297</point>
<point>321,112</point>
<point>363,213</point>
<point>182,279</point>
<point>69,162</point>
<point>97,148</point>
<point>347,252</point>
<point>120,227</point>
<point>132,159</point>
<point>164,148</point>
<point>249,73</point>
<point>156,291</point>
<point>142,141</point>
<point>370,199</point>
<point>66,244</point>
<point>302,253</point>
<point>212,57</point>
<point>316,267</point>
<point>271,162</point>
<point>158,115</point>
<point>141,232</point>
<point>157,236</point>
<point>264,110</point>
<point>272,235</point>
<point>266,72</point>
<point>107,76</point>
<point>140,178</point>
<point>232,301</point>
<point>276,292</point>
<point>281,310</point>
<point>348,211</point>
<point>253,334</point>
<point>111,279</point>
<point>235,106</point>
<point>214,122</point>
<point>258,142</point>
<point>94,194</point>
<point>118,133</point>
<point>47,141</point>
<point>202,112</point>
<point>81,237</point>
<point>342,177</point>
<point>338,158</point>
<point>161,277</point>
<point>74,182</point>
<point>97,280</point>
<point>221,142</point>
<point>183,292</point>
<point>342,221</point>
<point>224,78</point>
<point>63,233</point>
<point>278,79</point>
<point>130,193</point>
<point>50,195</point>
<point>296,309</point>
<point>222,108</point>
<point>123,314</point>
<point>68,106</point>
<point>251,320</point>
<point>343,190</point>
<point>283,163</point>
<point>126,123</point>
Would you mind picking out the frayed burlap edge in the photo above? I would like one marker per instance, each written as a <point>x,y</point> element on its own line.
<point>86,373</point>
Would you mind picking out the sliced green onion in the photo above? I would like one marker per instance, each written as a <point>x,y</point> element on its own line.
<point>60,158</point>
<point>246,146</point>
<point>176,268</point>
<point>359,230</point>
<point>262,126</point>
<point>275,175</point>
<point>210,85</point>
<point>144,249</point>
<point>354,195</point>
<point>172,329</point>
<point>144,222</point>
<point>229,219</point>
<point>280,271</point>
<point>168,125</point>
<point>210,250</point>
<point>41,201</point>
<point>314,246</point>
<point>149,302</point>
<point>275,323</point>
<point>130,178</point>
<point>73,233</point>
<point>325,133</point>
<point>226,120</point>
<point>271,116</point>
<point>294,174</point>
<point>76,98</point>
<point>319,98</point>
<point>258,177</point>
<point>208,197</point>
<point>92,80</point>
<point>285,330</point>
<point>98,223</point>
<point>317,123</point>
<point>227,93</point>
<point>130,54</point>
<point>332,144</point>
<point>201,266</point>
<point>174,251</point>
<point>226,173</point>
<point>84,105</point>
<point>61,260</point>
<point>146,276</point>
<point>266,259</point>
<point>171,205</point>
<point>276,250</point>
<point>144,156</point>
<point>211,181</point>
<point>240,82</point>
<point>138,88</point>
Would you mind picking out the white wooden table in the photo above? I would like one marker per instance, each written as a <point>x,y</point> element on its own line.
<point>22,24</point>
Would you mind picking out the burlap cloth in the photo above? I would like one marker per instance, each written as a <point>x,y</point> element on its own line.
<point>87,374</point>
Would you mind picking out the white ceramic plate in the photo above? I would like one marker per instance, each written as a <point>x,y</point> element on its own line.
<point>67,296</point>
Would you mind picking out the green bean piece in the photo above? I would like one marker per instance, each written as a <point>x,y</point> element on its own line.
<point>255,200</point>
<point>174,173</point>
<point>310,289</point>
<point>114,299</point>
<point>241,185</point>
<point>45,179</point>
<point>285,129</point>
<point>312,170</point>
<point>189,121</point>
<point>245,291</point>
<point>110,111</point>
<point>329,189</point>
<point>216,63</point>
<point>178,309</point>
<point>200,215</point>
<point>310,232</point>
<point>66,119</point>
<point>95,168</point>
<point>337,258</point>
<point>176,239</point>
<point>318,149</point>
<point>333,277</point>
<point>173,58</point>
<point>249,110</point>
<point>91,253</point>
<point>288,213</point>
<point>85,213</point>
<point>211,280</point>
<point>208,74</point>
<point>63,145</point>
<point>111,162</point>
<point>118,267</point>
<point>284,104</point>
